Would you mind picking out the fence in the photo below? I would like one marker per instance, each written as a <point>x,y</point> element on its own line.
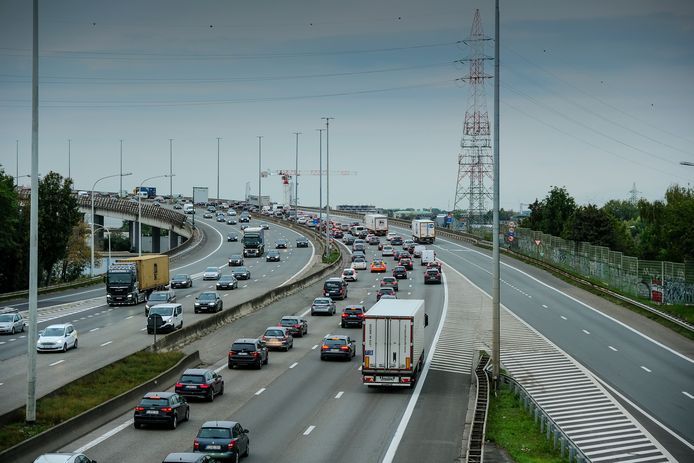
<point>661,282</point>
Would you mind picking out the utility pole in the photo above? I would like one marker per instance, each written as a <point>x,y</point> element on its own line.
<point>260,157</point>
<point>496,276</point>
<point>69,154</point>
<point>16,177</point>
<point>296,178</point>
<point>218,169</point>
<point>327,183</point>
<point>171,170</point>
<point>120,191</point>
<point>320,176</point>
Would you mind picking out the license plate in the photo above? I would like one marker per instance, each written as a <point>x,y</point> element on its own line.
<point>214,447</point>
<point>191,387</point>
<point>152,412</point>
<point>243,353</point>
<point>386,379</point>
<point>334,350</point>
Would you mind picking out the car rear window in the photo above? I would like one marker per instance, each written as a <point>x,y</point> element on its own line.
<point>289,321</point>
<point>334,342</point>
<point>333,284</point>
<point>353,310</point>
<point>274,333</point>
<point>242,346</point>
<point>154,402</point>
<point>215,433</point>
<point>192,379</point>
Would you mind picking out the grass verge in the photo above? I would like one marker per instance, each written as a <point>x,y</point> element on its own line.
<point>510,427</point>
<point>332,257</point>
<point>88,392</point>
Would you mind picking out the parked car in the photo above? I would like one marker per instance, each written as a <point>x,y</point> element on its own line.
<point>337,346</point>
<point>241,273</point>
<point>59,337</point>
<point>209,301</point>
<point>181,280</point>
<point>11,321</point>
<point>247,351</point>
<point>159,297</point>
<point>201,383</point>
<point>158,408</point>
<point>298,326</point>
<point>235,260</point>
<point>227,282</point>
<point>272,256</point>
<point>211,273</point>
<point>222,440</point>
<point>278,337</point>
<point>353,315</point>
<point>323,305</point>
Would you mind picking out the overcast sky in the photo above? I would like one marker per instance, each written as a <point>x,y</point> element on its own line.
<point>595,95</point>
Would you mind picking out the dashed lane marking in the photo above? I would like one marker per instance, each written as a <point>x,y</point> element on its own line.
<point>339,394</point>
<point>260,391</point>
<point>56,363</point>
<point>309,430</point>
<point>106,343</point>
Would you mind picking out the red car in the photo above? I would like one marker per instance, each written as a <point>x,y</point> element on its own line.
<point>407,263</point>
<point>432,275</point>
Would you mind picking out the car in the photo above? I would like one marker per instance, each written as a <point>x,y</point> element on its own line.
<point>406,262</point>
<point>272,256</point>
<point>244,219</point>
<point>177,206</point>
<point>383,290</point>
<point>188,457</point>
<point>432,275</point>
<point>227,282</point>
<point>373,241</point>
<point>406,244</point>
<point>222,440</point>
<point>396,241</point>
<point>281,244</point>
<point>159,297</point>
<point>207,215</point>
<point>211,208</point>
<point>388,296</point>
<point>201,383</point>
<point>400,272</point>
<point>221,218</point>
<point>264,226</point>
<point>209,301</point>
<point>378,266</point>
<point>387,251</point>
<point>232,237</point>
<point>156,204</point>
<point>390,236</point>
<point>235,260</point>
<point>358,247</point>
<point>348,239</point>
<point>349,274</point>
<point>301,242</point>
<point>298,326</point>
<point>60,337</point>
<point>211,273</point>
<point>278,337</point>
<point>390,281</point>
<point>335,288</point>
<point>244,226</point>
<point>434,264</point>
<point>337,345</point>
<point>301,220</point>
<point>164,317</point>
<point>64,458</point>
<point>357,255</point>
<point>418,249</point>
<point>181,280</point>
<point>158,408</point>
<point>11,321</point>
<point>353,315</point>
<point>241,273</point>
<point>323,305</point>
<point>247,351</point>
<point>399,253</point>
<point>232,221</point>
<point>359,264</point>
<point>337,234</point>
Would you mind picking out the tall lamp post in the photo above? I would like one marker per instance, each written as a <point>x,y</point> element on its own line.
<point>320,180</point>
<point>139,211</point>
<point>296,178</point>
<point>91,268</point>
<point>218,139</point>
<point>327,183</point>
<point>260,158</point>
<point>108,233</point>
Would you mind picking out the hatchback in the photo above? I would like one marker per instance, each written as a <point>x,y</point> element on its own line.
<point>222,440</point>
<point>406,262</point>
<point>432,275</point>
<point>352,315</point>
<point>378,266</point>
<point>278,337</point>
<point>201,383</point>
<point>337,345</point>
<point>298,326</point>
<point>387,251</point>
<point>382,291</point>
<point>400,272</point>
<point>391,282</point>
<point>247,351</point>
<point>57,338</point>
<point>349,274</point>
<point>166,408</point>
<point>323,305</point>
<point>11,321</point>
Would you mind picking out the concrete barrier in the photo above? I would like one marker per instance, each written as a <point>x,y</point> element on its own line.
<point>57,437</point>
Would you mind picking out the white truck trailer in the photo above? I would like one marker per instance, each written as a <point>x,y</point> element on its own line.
<point>376,224</point>
<point>393,342</point>
<point>423,231</point>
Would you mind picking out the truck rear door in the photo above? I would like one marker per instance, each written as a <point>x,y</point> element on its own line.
<point>399,351</point>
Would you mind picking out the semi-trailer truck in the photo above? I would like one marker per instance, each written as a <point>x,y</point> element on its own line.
<point>129,281</point>
<point>376,224</point>
<point>253,242</point>
<point>393,342</point>
<point>423,231</point>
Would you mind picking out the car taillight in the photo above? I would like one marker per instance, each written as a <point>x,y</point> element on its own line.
<point>139,409</point>
<point>298,325</point>
<point>196,444</point>
<point>166,409</point>
<point>232,444</point>
<point>324,347</point>
<point>360,315</point>
<point>263,337</point>
<point>344,347</point>
<point>204,386</point>
<point>179,384</point>
<point>344,315</point>
<point>232,352</point>
<point>255,354</point>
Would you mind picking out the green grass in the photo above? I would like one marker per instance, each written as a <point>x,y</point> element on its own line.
<point>332,257</point>
<point>88,392</point>
<point>510,427</point>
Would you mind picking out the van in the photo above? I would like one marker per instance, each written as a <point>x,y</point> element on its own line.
<point>335,288</point>
<point>418,250</point>
<point>188,208</point>
<point>428,255</point>
<point>164,318</point>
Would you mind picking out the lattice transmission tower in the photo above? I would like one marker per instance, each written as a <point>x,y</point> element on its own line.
<point>475,161</point>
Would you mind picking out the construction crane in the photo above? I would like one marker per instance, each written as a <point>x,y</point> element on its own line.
<point>287,174</point>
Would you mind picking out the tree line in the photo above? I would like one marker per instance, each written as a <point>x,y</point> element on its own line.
<point>658,230</point>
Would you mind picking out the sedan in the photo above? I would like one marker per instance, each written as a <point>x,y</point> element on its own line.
<point>385,290</point>
<point>57,338</point>
<point>373,241</point>
<point>227,282</point>
<point>400,272</point>
<point>220,218</point>
<point>340,346</point>
<point>241,273</point>
<point>222,440</point>
<point>232,237</point>
<point>278,337</point>
<point>208,301</point>
<point>231,221</point>
<point>161,408</point>
<point>207,215</point>
<point>391,282</point>
<point>235,260</point>
<point>201,383</point>
<point>211,273</point>
<point>323,305</point>
<point>301,243</point>
<point>378,266</point>
<point>272,256</point>
<point>298,326</point>
<point>182,280</point>
<point>281,244</point>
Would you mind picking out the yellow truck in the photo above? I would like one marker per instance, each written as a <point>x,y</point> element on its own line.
<point>129,281</point>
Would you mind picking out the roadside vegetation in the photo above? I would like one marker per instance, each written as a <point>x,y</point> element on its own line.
<point>88,392</point>
<point>510,427</point>
<point>332,257</point>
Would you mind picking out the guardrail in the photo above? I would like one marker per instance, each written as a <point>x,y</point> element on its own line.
<point>475,445</point>
<point>547,426</point>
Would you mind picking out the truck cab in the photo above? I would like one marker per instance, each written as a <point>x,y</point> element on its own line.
<point>253,242</point>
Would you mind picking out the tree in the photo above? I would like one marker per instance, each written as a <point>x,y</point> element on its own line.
<point>550,214</point>
<point>678,221</point>
<point>78,255</point>
<point>9,232</point>
<point>621,210</point>
<point>593,225</point>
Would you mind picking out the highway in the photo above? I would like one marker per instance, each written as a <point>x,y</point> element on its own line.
<point>109,333</point>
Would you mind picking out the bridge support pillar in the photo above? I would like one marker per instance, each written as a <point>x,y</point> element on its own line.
<point>132,234</point>
<point>156,239</point>
<point>99,232</point>
<point>173,239</point>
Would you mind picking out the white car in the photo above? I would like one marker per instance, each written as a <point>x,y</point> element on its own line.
<point>387,251</point>
<point>211,273</point>
<point>57,338</point>
<point>349,274</point>
<point>301,220</point>
<point>390,236</point>
<point>359,264</point>
<point>64,458</point>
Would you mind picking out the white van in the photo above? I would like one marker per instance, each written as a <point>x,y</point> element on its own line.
<point>428,255</point>
<point>164,318</point>
<point>188,208</point>
<point>418,250</point>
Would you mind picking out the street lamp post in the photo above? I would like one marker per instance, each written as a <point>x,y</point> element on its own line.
<point>108,233</point>
<point>218,138</point>
<point>69,155</point>
<point>91,268</point>
<point>139,211</point>
<point>260,158</point>
<point>327,183</point>
<point>296,178</point>
<point>320,180</point>
<point>171,170</point>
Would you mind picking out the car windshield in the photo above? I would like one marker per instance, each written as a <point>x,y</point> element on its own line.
<point>273,253</point>
<point>211,270</point>
<point>6,318</point>
<point>149,402</point>
<point>334,342</point>
<point>163,311</point>
<point>54,331</point>
<point>348,272</point>
<point>387,290</point>
<point>158,297</point>
<point>215,433</point>
<point>206,297</point>
<point>243,346</point>
<point>240,270</point>
<point>359,259</point>
<point>192,379</point>
<point>180,277</point>
<point>389,280</point>
<point>400,269</point>
<point>274,333</point>
<point>226,278</point>
<point>119,278</point>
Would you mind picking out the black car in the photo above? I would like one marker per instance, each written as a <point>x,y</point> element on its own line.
<point>222,440</point>
<point>231,221</point>
<point>227,282</point>
<point>396,241</point>
<point>272,256</point>
<point>337,234</point>
<point>241,273</point>
<point>281,244</point>
<point>400,272</point>
<point>337,345</point>
<point>232,237</point>
<point>181,280</point>
<point>248,351</point>
<point>167,408</point>
<point>348,239</point>
<point>432,275</point>
<point>244,219</point>
<point>352,315</point>
<point>201,383</point>
<point>235,260</point>
<point>406,262</point>
<point>208,302</point>
<point>301,243</point>
<point>399,254</point>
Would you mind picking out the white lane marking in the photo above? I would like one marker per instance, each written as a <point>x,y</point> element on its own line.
<point>260,391</point>
<point>361,302</point>
<point>409,293</point>
<point>586,331</point>
<point>104,436</point>
<point>128,318</point>
<point>188,295</point>
<point>314,347</point>
<point>293,365</point>
<point>226,294</point>
<point>217,370</point>
<point>75,320</point>
<point>645,369</point>
<point>106,343</point>
<point>339,394</point>
<point>614,349</point>
<point>2,342</point>
<point>94,329</point>
<point>13,339</point>
<point>359,368</point>
<point>56,363</point>
<point>400,431</point>
<point>683,392</point>
<point>4,383</point>
<point>245,286</point>
<point>264,276</point>
<point>309,429</point>
<point>563,317</point>
<point>544,306</point>
<point>142,329</point>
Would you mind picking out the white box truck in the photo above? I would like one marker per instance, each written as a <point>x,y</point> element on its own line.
<point>376,224</point>
<point>393,342</point>
<point>423,231</point>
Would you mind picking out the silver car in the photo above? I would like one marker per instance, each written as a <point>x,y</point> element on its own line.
<point>64,458</point>
<point>323,305</point>
<point>278,337</point>
<point>211,273</point>
<point>11,322</point>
